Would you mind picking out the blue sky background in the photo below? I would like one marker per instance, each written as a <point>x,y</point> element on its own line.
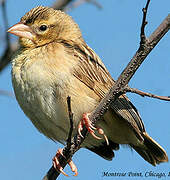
<point>113,33</point>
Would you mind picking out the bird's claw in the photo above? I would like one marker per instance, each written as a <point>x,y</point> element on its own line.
<point>85,121</point>
<point>73,167</point>
<point>100,131</point>
<point>58,167</point>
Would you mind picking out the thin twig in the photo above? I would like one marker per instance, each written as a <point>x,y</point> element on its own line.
<point>4,13</point>
<point>52,174</point>
<point>79,2</point>
<point>71,122</point>
<point>7,55</point>
<point>143,94</point>
<point>75,4</point>
<point>61,4</point>
<point>94,2</point>
<point>144,23</point>
<point>4,60</point>
<point>1,2</point>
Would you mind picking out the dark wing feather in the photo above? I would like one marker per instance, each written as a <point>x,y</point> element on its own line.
<point>104,150</point>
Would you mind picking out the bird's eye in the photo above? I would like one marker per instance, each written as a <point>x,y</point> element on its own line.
<point>43,27</point>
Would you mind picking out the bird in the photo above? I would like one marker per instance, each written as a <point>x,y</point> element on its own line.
<point>54,62</point>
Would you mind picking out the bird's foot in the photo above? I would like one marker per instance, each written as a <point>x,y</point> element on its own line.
<point>86,121</point>
<point>58,167</point>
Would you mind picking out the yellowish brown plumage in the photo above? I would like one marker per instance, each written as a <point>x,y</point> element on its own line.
<point>54,62</point>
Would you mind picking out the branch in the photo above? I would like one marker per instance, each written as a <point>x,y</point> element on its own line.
<point>141,54</point>
<point>143,94</point>
<point>94,2</point>
<point>6,57</point>
<point>79,2</point>
<point>61,4</point>
<point>71,122</point>
<point>67,151</point>
<point>120,85</point>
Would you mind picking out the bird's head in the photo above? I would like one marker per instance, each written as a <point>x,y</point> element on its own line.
<point>42,25</point>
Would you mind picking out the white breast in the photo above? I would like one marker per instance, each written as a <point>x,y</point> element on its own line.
<point>40,97</point>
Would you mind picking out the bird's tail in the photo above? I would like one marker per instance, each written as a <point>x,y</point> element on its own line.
<point>151,151</point>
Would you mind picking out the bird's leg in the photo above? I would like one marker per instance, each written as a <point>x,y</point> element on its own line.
<point>86,121</point>
<point>58,167</point>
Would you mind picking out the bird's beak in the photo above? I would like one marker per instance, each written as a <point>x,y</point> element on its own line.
<point>22,30</point>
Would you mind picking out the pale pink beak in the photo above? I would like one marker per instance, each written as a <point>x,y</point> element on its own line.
<point>22,30</point>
